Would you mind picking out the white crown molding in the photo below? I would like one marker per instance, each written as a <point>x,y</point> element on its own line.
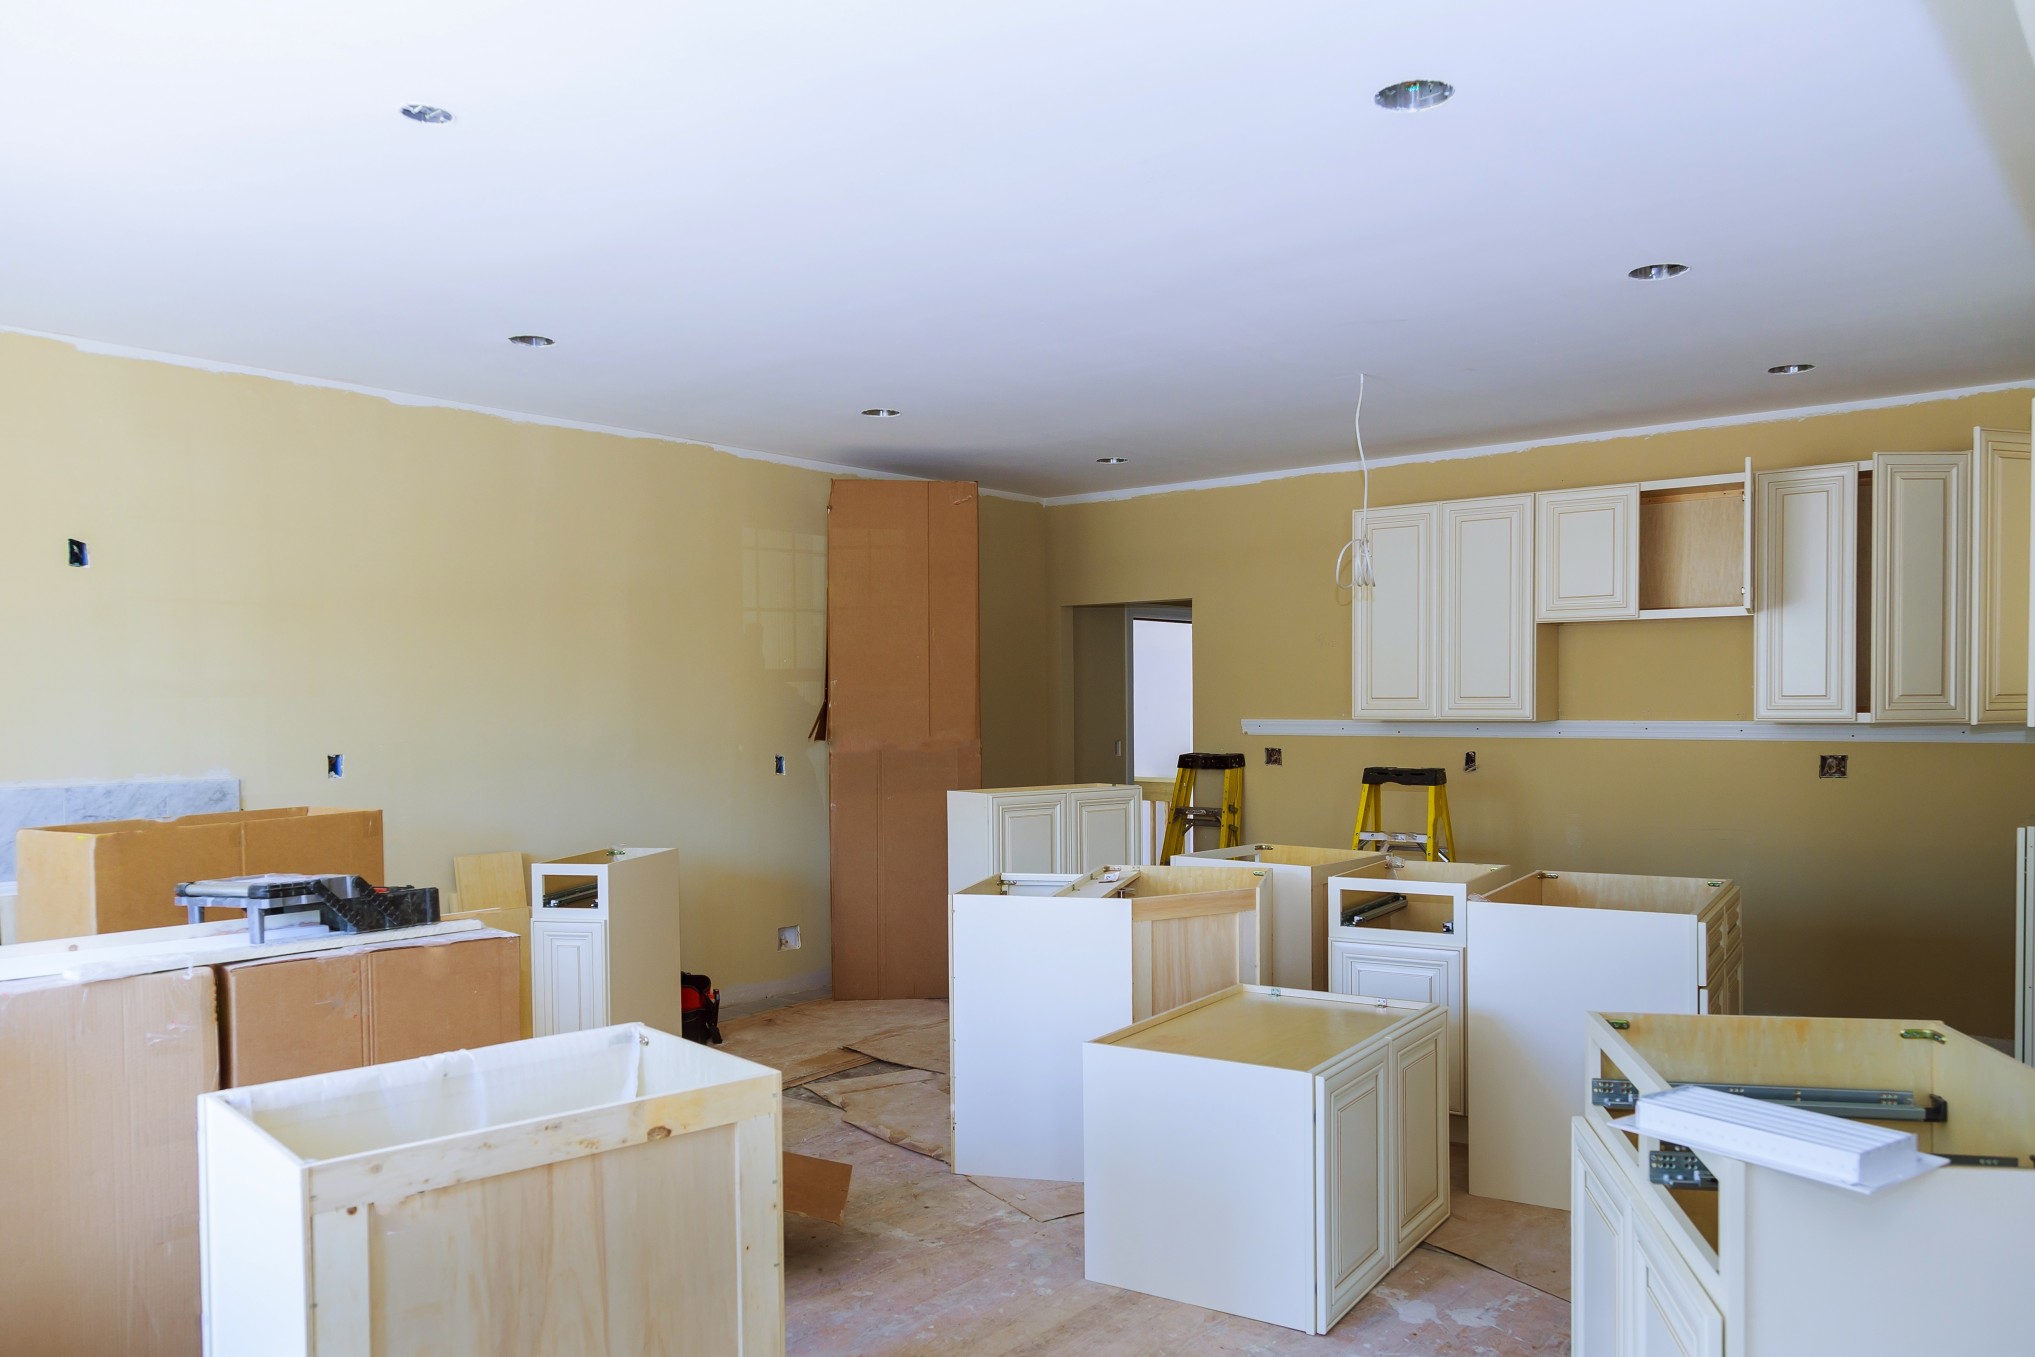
<point>1553,440</point>
<point>433,402</point>
<point>1806,732</point>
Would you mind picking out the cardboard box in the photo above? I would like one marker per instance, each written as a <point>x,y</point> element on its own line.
<point>122,874</point>
<point>367,1005</point>
<point>903,723</point>
<point>99,1163</point>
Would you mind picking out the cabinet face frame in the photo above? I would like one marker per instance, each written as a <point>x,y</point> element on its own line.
<point>1805,629</point>
<point>2002,499</point>
<point>1921,610</point>
<point>1393,641</point>
<point>1586,565</point>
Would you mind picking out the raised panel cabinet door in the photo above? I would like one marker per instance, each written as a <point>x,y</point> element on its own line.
<point>1392,659</point>
<point>1921,559</point>
<point>1421,1139</point>
<point>1805,657</point>
<point>1030,834</point>
<point>1666,1309</point>
<point>1487,635</point>
<point>1355,1211</point>
<point>1425,975</point>
<point>568,976</point>
<point>1587,554</point>
<point>1598,1212</point>
<point>1105,830</point>
<point>2001,493</point>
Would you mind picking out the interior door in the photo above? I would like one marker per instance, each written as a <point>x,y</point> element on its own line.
<point>1805,658</point>
<point>1921,558</point>
<point>1487,630</point>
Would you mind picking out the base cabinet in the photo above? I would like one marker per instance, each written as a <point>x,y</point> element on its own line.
<point>569,976</point>
<point>1414,974</point>
<point>1631,1293</point>
<point>604,941</point>
<point>1340,1101</point>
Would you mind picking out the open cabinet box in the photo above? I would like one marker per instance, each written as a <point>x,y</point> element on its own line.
<point>1768,1262</point>
<point>1650,549</point>
<point>1293,930</point>
<point>1041,964</point>
<point>615,1190</point>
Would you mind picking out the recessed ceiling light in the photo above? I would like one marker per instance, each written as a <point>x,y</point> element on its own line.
<point>425,113</point>
<point>1411,96</point>
<point>1111,461</point>
<point>881,414</point>
<point>1653,273</point>
<point>533,341</point>
<point>1790,369</point>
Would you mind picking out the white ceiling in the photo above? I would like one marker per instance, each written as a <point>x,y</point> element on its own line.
<point>1047,231</point>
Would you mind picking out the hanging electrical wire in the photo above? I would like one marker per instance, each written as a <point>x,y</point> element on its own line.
<point>1358,549</point>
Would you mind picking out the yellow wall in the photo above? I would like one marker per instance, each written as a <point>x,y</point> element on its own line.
<point>519,636</point>
<point>1887,893</point>
<point>1017,637</point>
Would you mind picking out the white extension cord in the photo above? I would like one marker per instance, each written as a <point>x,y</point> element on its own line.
<point>1357,551</point>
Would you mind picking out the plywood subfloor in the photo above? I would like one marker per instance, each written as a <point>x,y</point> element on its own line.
<point>929,1262</point>
<point>810,1041</point>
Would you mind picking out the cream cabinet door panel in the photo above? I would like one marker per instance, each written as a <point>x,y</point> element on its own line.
<point>1356,1213</point>
<point>1105,830</point>
<point>1427,975</point>
<point>1805,657</point>
<point>1598,1229</point>
<point>1487,636</point>
<point>1587,554</point>
<point>1031,834</point>
<point>1392,660</point>
<point>1420,1095</point>
<point>2001,493</point>
<point>1921,560</point>
<point>1669,1312</point>
<point>568,976</point>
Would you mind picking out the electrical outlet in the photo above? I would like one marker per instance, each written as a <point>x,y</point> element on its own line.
<point>80,554</point>
<point>1469,760</point>
<point>1833,765</point>
<point>1274,755</point>
<point>787,939</point>
<point>779,768</point>
<point>335,765</point>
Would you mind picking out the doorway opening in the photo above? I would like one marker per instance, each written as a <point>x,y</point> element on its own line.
<point>1133,691</point>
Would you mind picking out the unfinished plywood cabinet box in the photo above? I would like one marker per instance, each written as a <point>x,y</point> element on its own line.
<point>1293,931</point>
<point>1767,1262</point>
<point>1653,550</point>
<point>609,1191</point>
<point>604,940</point>
<point>1076,827</point>
<point>1543,951</point>
<point>1041,964</point>
<point>1265,1153</point>
<point>1396,930</point>
<point>1448,631</point>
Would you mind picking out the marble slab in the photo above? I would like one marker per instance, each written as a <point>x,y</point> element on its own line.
<point>25,805</point>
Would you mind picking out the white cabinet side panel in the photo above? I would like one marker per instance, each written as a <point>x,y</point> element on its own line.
<point>1534,972</point>
<point>971,856</point>
<point>1804,653</point>
<point>1921,559</point>
<point>1393,637</point>
<point>251,1204</point>
<point>1200,1184</point>
<point>1032,979</point>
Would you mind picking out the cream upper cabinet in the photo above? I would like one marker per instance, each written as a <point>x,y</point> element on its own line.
<point>1393,659</point>
<point>1073,827</point>
<point>1489,657</point>
<point>1588,554</point>
<point>1921,585</point>
<point>2001,492</point>
<point>1805,651</point>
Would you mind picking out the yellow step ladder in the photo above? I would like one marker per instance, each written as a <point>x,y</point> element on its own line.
<point>1185,815</point>
<point>1371,832</point>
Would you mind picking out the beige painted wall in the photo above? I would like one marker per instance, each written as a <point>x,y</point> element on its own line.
<point>519,636</point>
<point>1887,893</point>
<point>1017,638</point>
